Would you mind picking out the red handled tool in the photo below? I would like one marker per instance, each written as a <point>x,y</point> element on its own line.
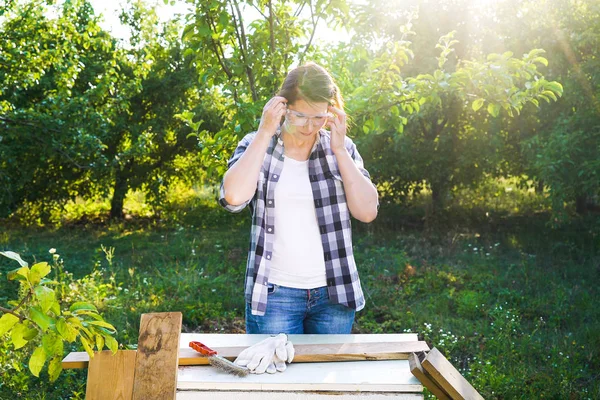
<point>217,361</point>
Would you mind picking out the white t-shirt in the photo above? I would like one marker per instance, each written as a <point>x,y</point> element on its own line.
<point>297,259</point>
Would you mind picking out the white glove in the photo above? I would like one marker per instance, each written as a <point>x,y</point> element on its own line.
<point>269,355</point>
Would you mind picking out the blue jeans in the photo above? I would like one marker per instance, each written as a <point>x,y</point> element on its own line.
<point>297,311</point>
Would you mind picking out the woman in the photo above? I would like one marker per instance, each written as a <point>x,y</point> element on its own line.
<point>302,183</point>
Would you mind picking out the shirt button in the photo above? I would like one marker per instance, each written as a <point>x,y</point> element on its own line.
<point>275,176</point>
<point>270,201</point>
<point>270,229</point>
<point>268,257</point>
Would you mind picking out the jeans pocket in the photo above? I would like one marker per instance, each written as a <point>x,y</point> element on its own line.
<point>272,288</point>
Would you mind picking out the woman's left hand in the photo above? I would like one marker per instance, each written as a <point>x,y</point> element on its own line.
<point>337,125</point>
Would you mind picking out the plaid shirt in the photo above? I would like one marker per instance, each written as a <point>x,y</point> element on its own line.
<point>333,218</point>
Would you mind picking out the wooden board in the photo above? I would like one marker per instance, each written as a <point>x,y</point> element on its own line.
<point>417,370</point>
<point>236,339</point>
<point>325,352</point>
<point>110,377</point>
<point>240,395</point>
<point>330,352</point>
<point>157,354</point>
<point>363,379</point>
<point>391,376</point>
<point>448,378</point>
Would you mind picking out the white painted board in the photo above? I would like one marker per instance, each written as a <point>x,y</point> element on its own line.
<point>351,377</point>
<point>235,395</point>
<point>233,339</point>
<point>361,376</point>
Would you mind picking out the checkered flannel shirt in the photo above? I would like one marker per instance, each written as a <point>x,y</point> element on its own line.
<point>333,218</point>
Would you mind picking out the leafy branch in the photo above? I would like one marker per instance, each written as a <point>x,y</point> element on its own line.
<point>39,315</point>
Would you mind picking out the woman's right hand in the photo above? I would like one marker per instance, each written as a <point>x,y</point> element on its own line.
<point>273,111</point>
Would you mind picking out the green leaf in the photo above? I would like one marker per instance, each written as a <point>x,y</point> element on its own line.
<point>7,322</point>
<point>18,335</point>
<point>40,318</point>
<point>21,274</point>
<point>75,322</point>
<point>102,324</point>
<point>477,104</point>
<point>66,330</point>
<point>203,30</point>
<point>493,109</point>
<point>87,346</point>
<point>53,345</point>
<point>82,306</point>
<point>30,333</point>
<point>14,256</point>
<point>92,314</point>
<point>55,308</point>
<point>45,296</point>
<point>541,60</point>
<point>111,343</point>
<point>38,271</point>
<point>99,342</point>
<point>37,361</point>
<point>550,94</point>
<point>555,87</point>
<point>55,368</point>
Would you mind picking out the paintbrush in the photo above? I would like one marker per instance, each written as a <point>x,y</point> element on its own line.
<point>219,362</point>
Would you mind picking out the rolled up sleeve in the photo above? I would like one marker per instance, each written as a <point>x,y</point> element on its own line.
<point>239,150</point>
<point>356,157</point>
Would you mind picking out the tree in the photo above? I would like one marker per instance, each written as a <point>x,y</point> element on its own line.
<point>81,115</point>
<point>447,140</point>
<point>561,149</point>
<point>55,75</point>
<point>147,136</point>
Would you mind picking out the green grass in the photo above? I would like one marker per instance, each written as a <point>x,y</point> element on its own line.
<point>512,302</point>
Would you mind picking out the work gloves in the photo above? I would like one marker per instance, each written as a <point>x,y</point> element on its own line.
<point>269,355</point>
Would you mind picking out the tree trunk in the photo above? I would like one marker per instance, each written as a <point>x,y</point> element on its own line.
<point>438,195</point>
<point>434,211</point>
<point>581,204</point>
<point>539,188</point>
<point>119,193</point>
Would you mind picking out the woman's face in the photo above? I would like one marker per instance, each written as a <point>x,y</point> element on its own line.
<point>303,120</point>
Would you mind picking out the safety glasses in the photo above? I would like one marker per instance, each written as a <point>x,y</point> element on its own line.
<point>298,119</point>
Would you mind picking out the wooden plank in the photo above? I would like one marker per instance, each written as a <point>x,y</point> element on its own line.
<point>417,370</point>
<point>326,352</point>
<point>253,395</point>
<point>448,378</point>
<point>110,377</point>
<point>243,339</point>
<point>390,376</point>
<point>157,354</point>
<point>76,360</point>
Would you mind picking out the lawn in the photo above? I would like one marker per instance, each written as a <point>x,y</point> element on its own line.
<point>510,301</point>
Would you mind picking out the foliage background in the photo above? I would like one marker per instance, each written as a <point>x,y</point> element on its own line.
<point>478,120</point>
